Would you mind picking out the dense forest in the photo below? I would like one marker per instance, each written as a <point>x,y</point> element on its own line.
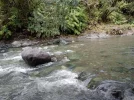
<point>46,18</point>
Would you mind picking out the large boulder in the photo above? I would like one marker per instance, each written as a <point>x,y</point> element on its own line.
<point>35,56</point>
<point>114,90</point>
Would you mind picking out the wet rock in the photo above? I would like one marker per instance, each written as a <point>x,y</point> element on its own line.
<point>121,31</point>
<point>116,31</point>
<point>113,90</point>
<point>4,47</point>
<point>54,59</point>
<point>63,42</point>
<point>116,94</point>
<point>16,44</point>
<point>23,43</point>
<point>35,56</point>
<point>60,41</point>
<point>65,59</point>
<point>95,35</point>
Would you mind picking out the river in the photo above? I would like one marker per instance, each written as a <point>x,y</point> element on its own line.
<point>109,58</point>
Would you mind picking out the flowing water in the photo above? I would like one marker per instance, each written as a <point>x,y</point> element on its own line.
<point>109,59</point>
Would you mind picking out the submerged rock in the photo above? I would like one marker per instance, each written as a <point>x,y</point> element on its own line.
<point>23,43</point>
<point>4,47</point>
<point>35,56</point>
<point>60,41</point>
<point>83,76</point>
<point>114,90</point>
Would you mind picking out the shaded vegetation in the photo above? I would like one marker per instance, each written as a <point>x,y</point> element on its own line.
<point>46,18</point>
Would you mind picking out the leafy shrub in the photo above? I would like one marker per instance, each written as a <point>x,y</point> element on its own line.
<point>5,33</point>
<point>100,10</point>
<point>9,24</point>
<point>60,15</point>
<point>14,22</point>
<point>106,7</point>
<point>44,20</point>
<point>128,8</point>
<point>131,21</point>
<point>76,20</point>
<point>10,18</point>
<point>118,18</point>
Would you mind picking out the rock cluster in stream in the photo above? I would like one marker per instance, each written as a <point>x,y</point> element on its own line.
<point>108,89</point>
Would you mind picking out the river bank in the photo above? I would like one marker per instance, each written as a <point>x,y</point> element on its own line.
<point>94,32</point>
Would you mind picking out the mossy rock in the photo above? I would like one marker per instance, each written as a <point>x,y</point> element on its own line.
<point>94,82</point>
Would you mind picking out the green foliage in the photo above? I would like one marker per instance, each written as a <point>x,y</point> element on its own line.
<point>5,33</point>
<point>118,18</point>
<point>61,14</point>
<point>131,21</point>
<point>13,21</point>
<point>106,7</point>
<point>100,10</point>
<point>44,21</point>
<point>128,8</point>
<point>45,18</point>
<point>11,17</point>
<point>9,24</point>
<point>76,20</point>
<point>19,8</point>
<point>116,11</point>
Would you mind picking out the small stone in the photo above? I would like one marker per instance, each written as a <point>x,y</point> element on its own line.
<point>65,59</point>
<point>54,59</point>
<point>16,44</point>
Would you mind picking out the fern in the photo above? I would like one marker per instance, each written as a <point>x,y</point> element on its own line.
<point>76,20</point>
<point>5,33</point>
<point>44,21</point>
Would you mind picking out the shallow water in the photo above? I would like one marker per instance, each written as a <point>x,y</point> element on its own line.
<point>111,58</point>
